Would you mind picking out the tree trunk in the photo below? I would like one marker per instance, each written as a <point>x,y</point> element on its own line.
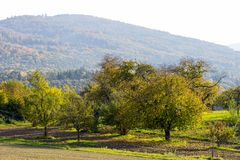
<point>212,151</point>
<point>78,135</point>
<point>167,134</point>
<point>45,131</point>
<point>34,123</point>
<point>212,106</point>
<point>123,131</point>
<point>95,121</point>
<point>95,125</point>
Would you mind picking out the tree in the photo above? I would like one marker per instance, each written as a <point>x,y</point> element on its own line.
<point>3,97</point>
<point>99,91</point>
<point>120,112</point>
<point>43,102</point>
<point>3,102</point>
<point>236,97</point>
<point>113,88</point>
<point>15,92</point>
<point>230,99</point>
<point>226,100</point>
<point>76,111</point>
<point>168,103</point>
<point>194,72</point>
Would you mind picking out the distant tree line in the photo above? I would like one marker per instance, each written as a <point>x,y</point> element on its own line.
<point>77,78</point>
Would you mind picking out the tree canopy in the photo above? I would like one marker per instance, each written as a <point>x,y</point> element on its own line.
<point>43,102</point>
<point>168,103</point>
<point>75,111</point>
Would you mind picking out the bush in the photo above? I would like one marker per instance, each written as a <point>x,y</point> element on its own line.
<point>2,121</point>
<point>234,120</point>
<point>220,133</point>
<point>9,121</point>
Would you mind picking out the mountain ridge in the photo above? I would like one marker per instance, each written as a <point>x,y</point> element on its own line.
<point>235,46</point>
<point>72,41</point>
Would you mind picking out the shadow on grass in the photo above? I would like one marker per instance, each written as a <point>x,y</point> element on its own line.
<point>66,144</point>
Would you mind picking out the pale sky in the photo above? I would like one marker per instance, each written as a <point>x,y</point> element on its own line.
<point>211,20</point>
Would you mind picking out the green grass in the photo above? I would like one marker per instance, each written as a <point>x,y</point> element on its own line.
<point>110,135</point>
<point>82,142</point>
<point>168,156</point>
<point>150,131</point>
<point>133,137</point>
<point>158,135</point>
<point>124,137</point>
<point>15,124</point>
<point>36,143</point>
<point>198,133</point>
<point>228,149</point>
<point>216,115</point>
<point>12,140</point>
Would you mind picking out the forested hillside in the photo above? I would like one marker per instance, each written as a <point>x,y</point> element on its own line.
<point>77,78</point>
<point>72,41</point>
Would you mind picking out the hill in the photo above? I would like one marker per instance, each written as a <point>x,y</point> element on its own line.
<point>72,41</point>
<point>235,46</point>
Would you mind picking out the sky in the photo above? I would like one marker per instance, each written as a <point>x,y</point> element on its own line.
<point>216,21</point>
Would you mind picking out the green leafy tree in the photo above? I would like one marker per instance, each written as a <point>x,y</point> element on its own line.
<point>194,72</point>
<point>121,113</point>
<point>75,111</point>
<point>43,102</point>
<point>230,99</point>
<point>3,97</point>
<point>226,100</point>
<point>168,103</point>
<point>15,92</point>
<point>3,102</point>
<point>114,86</point>
<point>100,90</point>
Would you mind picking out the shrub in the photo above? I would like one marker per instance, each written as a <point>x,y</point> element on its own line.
<point>220,133</point>
<point>234,120</point>
<point>2,121</point>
